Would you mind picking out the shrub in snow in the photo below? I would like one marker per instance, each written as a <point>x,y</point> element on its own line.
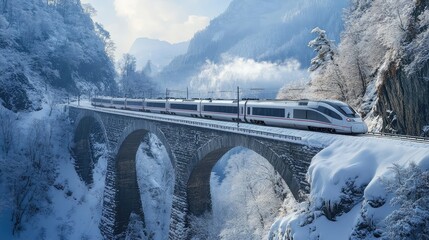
<point>6,130</point>
<point>64,231</point>
<point>366,227</point>
<point>204,227</point>
<point>411,189</point>
<point>350,196</point>
<point>425,131</point>
<point>136,229</point>
<point>31,173</point>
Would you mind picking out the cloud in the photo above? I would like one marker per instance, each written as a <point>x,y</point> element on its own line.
<point>255,79</point>
<point>170,20</point>
<point>167,20</point>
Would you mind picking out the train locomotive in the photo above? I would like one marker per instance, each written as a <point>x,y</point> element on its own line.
<point>326,116</point>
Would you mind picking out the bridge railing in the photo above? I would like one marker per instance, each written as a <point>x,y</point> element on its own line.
<point>209,125</point>
<point>225,128</point>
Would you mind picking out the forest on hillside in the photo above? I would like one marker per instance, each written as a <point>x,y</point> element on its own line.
<point>380,66</point>
<point>48,46</point>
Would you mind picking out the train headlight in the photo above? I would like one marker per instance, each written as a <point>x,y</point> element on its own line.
<point>350,120</point>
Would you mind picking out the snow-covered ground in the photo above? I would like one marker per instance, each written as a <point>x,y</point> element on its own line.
<point>351,170</point>
<point>69,209</point>
<point>156,182</point>
<point>348,179</point>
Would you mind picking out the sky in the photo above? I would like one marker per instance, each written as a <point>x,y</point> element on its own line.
<point>169,20</point>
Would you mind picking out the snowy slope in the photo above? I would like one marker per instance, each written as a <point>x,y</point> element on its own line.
<point>73,210</point>
<point>68,209</point>
<point>349,191</point>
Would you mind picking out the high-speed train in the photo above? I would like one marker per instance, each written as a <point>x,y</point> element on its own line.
<point>327,116</point>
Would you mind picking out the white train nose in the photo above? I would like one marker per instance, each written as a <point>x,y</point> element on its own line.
<point>359,128</point>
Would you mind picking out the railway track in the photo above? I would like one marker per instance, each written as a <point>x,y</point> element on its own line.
<point>399,136</point>
<point>411,138</point>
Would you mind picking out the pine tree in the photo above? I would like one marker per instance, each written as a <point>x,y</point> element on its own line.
<point>325,50</point>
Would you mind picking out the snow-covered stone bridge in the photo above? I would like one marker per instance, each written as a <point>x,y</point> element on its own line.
<point>194,146</point>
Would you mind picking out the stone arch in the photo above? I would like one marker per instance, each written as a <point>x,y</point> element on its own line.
<point>127,197</point>
<point>198,185</point>
<point>87,123</point>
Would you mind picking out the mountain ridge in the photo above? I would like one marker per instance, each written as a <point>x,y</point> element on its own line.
<point>159,52</point>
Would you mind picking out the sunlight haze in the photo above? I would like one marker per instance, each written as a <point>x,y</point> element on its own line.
<point>168,20</point>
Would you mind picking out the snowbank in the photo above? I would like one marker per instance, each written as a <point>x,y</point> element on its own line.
<point>348,190</point>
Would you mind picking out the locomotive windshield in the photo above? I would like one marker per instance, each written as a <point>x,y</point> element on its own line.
<point>348,110</point>
<point>343,108</point>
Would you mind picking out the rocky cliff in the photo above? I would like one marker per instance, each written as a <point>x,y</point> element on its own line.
<point>404,90</point>
<point>403,100</point>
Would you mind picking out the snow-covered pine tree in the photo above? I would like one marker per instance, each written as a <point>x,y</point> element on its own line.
<point>135,84</point>
<point>324,48</point>
<point>411,189</point>
<point>327,80</point>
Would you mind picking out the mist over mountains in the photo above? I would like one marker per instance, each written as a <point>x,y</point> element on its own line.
<point>160,53</point>
<point>274,32</point>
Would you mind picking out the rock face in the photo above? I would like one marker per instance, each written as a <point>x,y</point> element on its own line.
<point>404,90</point>
<point>403,100</point>
<point>17,94</point>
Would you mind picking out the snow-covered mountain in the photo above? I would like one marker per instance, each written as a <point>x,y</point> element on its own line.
<point>273,31</point>
<point>159,53</point>
<point>47,45</point>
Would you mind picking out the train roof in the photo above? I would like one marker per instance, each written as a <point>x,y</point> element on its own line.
<point>135,99</point>
<point>220,101</point>
<point>155,100</point>
<point>335,102</point>
<point>286,102</point>
<point>102,97</point>
<point>181,100</point>
<point>282,102</point>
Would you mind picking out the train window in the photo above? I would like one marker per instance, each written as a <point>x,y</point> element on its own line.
<point>184,106</point>
<point>104,100</point>
<point>222,109</point>
<point>313,115</point>
<point>241,110</point>
<point>155,104</point>
<point>134,103</point>
<point>329,112</point>
<point>272,112</point>
<point>248,110</point>
<point>300,114</point>
<point>118,102</point>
